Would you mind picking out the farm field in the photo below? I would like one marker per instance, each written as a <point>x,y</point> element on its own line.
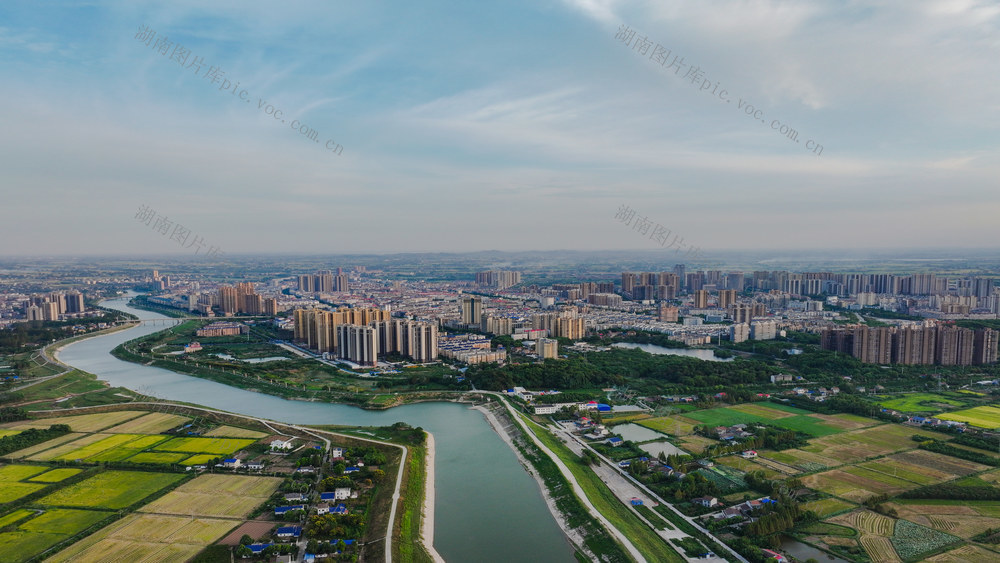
<point>26,452</point>
<point>920,402</point>
<point>19,472</point>
<point>229,496</point>
<point>56,475</point>
<point>219,446</point>
<point>111,489</point>
<point>79,423</point>
<point>921,474</point>
<point>849,447</point>
<point>235,432</point>
<point>51,453</point>
<point>940,462</point>
<point>115,447</point>
<point>960,518</point>
<point>152,423</point>
<point>673,425</point>
<point>199,459</point>
<point>148,537</point>
<point>746,465</point>
<point>913,541</point>
<point>825,507</point>
<point>10,491</point>
<point>156,457</point>
<point>778,415</point>
<point>806,461</point>
<point>964,554</point>
<point>983,417</point>
<point>15,516</point>
<point>695,444</point>
<point>36,535</point>
<point>846,485</point>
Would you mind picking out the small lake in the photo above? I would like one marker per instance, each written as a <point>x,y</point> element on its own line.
<point>699,353</point>
<point>803,551</point>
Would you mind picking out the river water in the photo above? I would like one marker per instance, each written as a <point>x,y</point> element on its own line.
<point>487,508</point>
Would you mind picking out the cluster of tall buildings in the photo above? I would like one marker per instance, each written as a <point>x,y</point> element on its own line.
<point>650,286</point>
<point>324,281</point>
<point>761,330</point>
<point>362,335</point>
<point>50,307</point>
<point>244,299</point>
<point>945,345</point>
<point>498,279</point>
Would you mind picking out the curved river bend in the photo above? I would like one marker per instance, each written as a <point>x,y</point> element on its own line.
<point>487,508</point>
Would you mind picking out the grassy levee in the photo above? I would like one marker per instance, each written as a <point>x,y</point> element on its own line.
<point>645,539</point>
<point>409,547</point>
<point>596,538</point>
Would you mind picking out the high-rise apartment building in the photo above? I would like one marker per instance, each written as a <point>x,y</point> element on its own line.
<point>700,299</point>
<point>668,314</point>
<point>472,309</point>
<point>739,332</point>
<point>74,302</point>
<point>547,348</point>
<point>499,279</point>
<point>358,344</point>
<point>727,297</point>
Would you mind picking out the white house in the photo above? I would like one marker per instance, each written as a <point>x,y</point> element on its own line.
<point>336,452</point>
<point>341,493</point>
<point>322,508</point>
<point>281,444</point>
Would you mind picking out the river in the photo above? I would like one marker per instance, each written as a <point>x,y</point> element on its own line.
<point>487,508</point>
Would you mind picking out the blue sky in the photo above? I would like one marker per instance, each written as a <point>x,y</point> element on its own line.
<point>499,125</point>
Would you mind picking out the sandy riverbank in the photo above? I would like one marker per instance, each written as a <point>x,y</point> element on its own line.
<point>427,513</point>
<point>572,534</point>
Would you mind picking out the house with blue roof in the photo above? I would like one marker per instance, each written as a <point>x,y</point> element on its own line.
<point>351,470</point>
<point>279,510</point>
<point>287,532</point>
<point>615,441</point>
<point>339,509</point>
<point>258,548</point>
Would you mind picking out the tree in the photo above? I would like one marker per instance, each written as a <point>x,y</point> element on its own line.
<point>243,551</point>
<point>246,540</point>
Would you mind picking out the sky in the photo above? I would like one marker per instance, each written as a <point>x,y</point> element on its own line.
<point>514,125</point>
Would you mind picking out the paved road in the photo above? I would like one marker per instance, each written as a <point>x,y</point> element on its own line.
<point>629,546</point>
<point>623,474</point>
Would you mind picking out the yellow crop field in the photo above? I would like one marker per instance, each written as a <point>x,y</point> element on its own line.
<point>219,446</point>
<point>20,454</point>
<point>19,472</point>
<point>102,445</point>
<point>880,549</point>
<point>673,425</point>
<point>81,422</point>
<point>235,432</point>
<point>51,453</point>
<point>152,423</point>
<point>232,496</point>
<point>983,417</point>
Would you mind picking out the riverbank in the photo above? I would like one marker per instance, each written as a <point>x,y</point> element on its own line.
<point>572,534</point>
<point>427,514</point>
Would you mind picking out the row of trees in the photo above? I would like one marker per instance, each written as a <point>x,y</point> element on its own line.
<point>30,437</point>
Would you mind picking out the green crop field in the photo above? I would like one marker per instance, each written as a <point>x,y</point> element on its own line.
<point>18,546</point>
<point>199,459</point>
<point>776,415</point>
<point>56,475</point>
<point>219,446</point>
<point>100,446</point>
<point>983,417</point>
<point>157,457</point>
<point>15,516</point>
<point>111,489</point>
<point>919,402</point>
<point>12,490</point>
<point>19,472</point>
<point>64,521</point>
<point>38,534</point>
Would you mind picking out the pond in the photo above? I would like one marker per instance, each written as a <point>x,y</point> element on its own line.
<point>700,353</point>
